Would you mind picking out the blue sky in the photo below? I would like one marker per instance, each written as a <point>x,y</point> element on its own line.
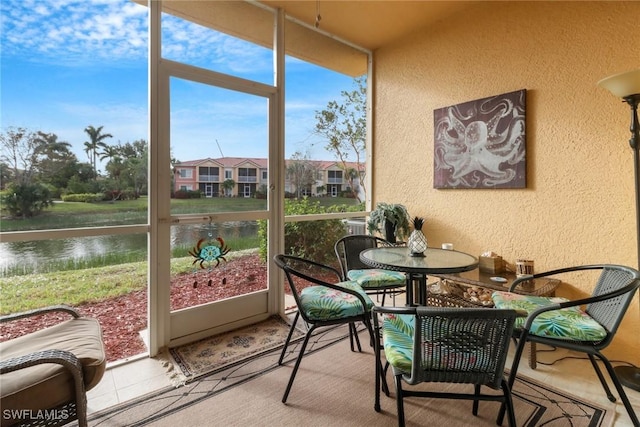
<point>67,64</point>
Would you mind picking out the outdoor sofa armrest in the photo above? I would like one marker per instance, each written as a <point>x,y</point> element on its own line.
<point>62,308</point>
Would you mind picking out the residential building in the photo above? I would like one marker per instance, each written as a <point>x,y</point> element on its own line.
<point>248,177</point>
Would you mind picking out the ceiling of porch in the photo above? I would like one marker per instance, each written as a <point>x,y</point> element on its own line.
<point>364,24</point>
<point>369,24</point>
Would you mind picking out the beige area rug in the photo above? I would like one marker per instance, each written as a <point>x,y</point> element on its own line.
<point>210,354</point>
<point>334,387</point>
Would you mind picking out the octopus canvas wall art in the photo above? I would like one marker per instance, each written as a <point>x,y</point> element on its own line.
<point>481,143</point>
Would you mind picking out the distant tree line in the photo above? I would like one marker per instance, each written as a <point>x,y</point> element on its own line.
<point>35,168</point>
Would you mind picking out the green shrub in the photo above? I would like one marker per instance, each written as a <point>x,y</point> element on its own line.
<point>26,200</point>
<point>83,197</point>
<point>308,239</point>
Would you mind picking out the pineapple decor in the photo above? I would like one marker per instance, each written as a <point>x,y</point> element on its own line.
<point>417,241</point>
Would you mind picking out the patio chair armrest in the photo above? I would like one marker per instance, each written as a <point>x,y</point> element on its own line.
<point>523,278</point>
<point>520,280</point>
<point>320,266</point>
<point>583,301</point>
<point>602,297</point>
<point>67,360</point>
<point>59,357</point>
<point>61,308</point>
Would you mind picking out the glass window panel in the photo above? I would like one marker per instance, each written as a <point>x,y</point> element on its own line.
<point>205,269</point>
<point>308,143</point>
<point>313,239</point>
<point>102,276</point>
<point>44,58</point>
<point>222,136</point>
<point>210,38</point>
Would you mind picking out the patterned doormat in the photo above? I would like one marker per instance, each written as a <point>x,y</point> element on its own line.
<point>210,354</point>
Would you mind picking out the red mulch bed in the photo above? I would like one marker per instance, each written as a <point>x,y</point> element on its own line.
<point>122,318</point>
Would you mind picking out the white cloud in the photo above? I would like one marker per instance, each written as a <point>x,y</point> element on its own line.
<point>72,32</point>
<point>107,34</point>
<point>89,32</point>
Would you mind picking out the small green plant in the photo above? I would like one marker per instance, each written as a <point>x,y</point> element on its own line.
<point>391,220</point>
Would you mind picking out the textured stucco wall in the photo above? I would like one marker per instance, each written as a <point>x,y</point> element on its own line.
<point>578,207</point>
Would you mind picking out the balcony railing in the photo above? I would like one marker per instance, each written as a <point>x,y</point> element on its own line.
<point>334,180</point>
<point>208,178</point>
<point>247,179</point>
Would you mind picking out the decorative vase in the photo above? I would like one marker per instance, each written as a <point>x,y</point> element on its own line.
<point>390,231</point>
<point>417,241</point>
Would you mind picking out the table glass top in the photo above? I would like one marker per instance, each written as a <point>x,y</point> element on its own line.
<point>435,260</point>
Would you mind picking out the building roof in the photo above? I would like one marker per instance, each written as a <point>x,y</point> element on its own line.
<point>231,162</point>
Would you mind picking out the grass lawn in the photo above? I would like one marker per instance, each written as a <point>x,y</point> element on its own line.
<point>77,287</point>
<point>127,212</point>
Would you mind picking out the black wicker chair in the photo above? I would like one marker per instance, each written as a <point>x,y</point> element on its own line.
<point>45,374</point>
<point>606,306</point>
<point>323,299</point>
<point>445,345</point>
<point>373,280</point>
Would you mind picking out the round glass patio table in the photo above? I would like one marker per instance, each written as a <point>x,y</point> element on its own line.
<point>435,261</point>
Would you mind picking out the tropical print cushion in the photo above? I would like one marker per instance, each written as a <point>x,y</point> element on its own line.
<point>397,338</point>
<point>568,323</point>
<point>322,303</point>
<point>377,278</point>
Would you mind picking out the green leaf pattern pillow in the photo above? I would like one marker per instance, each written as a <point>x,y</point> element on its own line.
<point>570,323</point>
<point>322,303</point>
<point>397,337</point>
<point>377,278</point>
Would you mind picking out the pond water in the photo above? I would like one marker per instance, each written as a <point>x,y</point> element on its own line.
<point>27,255</point>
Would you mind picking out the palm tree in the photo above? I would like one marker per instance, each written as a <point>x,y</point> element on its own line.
<point>228,185</point>
<point>109,152</point>
<point>95,142</point>
<point>56,164</point>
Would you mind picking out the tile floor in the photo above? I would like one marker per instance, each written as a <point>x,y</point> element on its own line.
<point>127,380</point>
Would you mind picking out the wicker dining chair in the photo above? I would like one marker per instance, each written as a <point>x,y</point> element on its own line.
<point>562,323</point>
<point>444,345</point>
<point>323,299</point>
<point>374,281</point>
<point>45,374</point>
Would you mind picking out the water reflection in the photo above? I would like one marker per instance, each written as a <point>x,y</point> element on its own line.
<point>188,235</point>
<point>31,255</point>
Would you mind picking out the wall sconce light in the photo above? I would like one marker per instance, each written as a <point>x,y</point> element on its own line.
<point>627,86</point>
